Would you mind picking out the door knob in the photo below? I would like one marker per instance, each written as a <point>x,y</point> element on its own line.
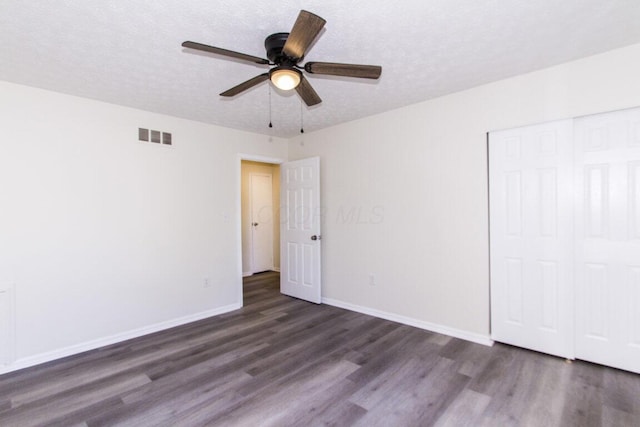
<point>255,224</point>
<point>314,237</point>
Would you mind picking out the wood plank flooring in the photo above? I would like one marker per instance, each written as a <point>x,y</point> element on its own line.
<point>284,362</point>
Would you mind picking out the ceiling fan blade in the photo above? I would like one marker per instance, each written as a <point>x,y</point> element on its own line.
<point>307,93</point>
<point>347,70</point>
<point>224,52</point>
<point>304,32</point>
<point>246,85</point>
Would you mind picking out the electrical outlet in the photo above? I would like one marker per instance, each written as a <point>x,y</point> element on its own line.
<point>206,283</point>
<point>372,280</point>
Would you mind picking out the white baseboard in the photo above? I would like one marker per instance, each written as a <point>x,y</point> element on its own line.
<point>113,339</point>
<point>101,342</point>
<point>276,269</point>
<point>433,327</point>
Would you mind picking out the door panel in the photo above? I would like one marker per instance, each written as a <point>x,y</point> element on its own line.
<point>607,244</point>
<point>531,252</point>
<point>634,200</point>
<point>261,190</point>
<point>301,222</point>
<point>548,278</point>
<point>634,300</point>
<point>514,291</point>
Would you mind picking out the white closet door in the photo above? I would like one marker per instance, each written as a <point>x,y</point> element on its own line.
<point>531,195</point>
<point>607,226</point>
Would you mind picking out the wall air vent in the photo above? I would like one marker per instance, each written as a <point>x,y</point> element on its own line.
<point>155,136</point>
<point>143,134</point>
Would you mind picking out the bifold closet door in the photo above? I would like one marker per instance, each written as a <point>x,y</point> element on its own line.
<point>531,196</point>
<point>607,227</point>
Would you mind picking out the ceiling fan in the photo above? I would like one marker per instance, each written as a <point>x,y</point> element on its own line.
<point>285,51</point>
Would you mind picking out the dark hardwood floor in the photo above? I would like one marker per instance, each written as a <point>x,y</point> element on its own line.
<point>281,361</point>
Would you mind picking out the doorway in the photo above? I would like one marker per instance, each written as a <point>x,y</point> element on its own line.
<point>260,217</point>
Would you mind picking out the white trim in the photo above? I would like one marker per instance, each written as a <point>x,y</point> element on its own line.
<point>433,327</point>
<point>247,274</point>
<point>261,159</point>
<point>275,269</point>
<point>113,339</point>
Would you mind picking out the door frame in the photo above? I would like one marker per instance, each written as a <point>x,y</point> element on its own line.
<point>238,216</point>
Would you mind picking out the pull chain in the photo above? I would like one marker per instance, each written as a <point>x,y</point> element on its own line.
<point>270,124</point>
<point>301,121</point>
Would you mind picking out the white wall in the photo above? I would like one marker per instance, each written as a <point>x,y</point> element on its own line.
<point>102,236</point>
<point>415,182</point>
<point>248,168</point>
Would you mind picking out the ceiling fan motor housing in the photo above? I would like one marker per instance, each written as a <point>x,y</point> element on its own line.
<point>274,44</point>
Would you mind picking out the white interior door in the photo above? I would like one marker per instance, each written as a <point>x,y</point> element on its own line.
<point>300,229</point>
<point>607,224</point>
<point>261,200</point>
<point>530,183</point>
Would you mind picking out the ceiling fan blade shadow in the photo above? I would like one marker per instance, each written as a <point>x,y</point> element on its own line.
<point>346,70</point>
<point>246,85</point>
<point>224,52</point>
<point>307,93</point>
<point>304,32</point>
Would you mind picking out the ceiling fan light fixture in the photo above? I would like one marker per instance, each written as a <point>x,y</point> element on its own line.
<point>285,78</point>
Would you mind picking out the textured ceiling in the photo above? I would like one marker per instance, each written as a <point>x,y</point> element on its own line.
<point>128,52</point>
